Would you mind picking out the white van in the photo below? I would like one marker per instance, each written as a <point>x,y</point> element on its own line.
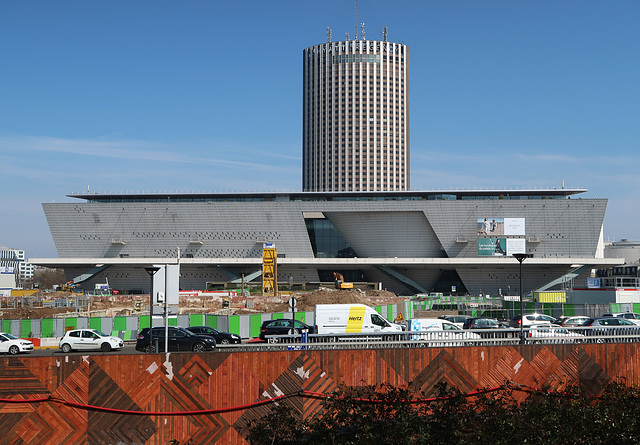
<point>350,318</point>
<point>443,332</point>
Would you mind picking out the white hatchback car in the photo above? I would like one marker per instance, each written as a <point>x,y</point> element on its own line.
<point>89,340</point>
<point>14,345</point>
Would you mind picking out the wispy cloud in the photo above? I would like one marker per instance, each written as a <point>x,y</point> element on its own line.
<point>136,150</point>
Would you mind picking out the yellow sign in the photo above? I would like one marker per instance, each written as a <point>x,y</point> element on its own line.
<point>399,317</point>
<point>356,319</point>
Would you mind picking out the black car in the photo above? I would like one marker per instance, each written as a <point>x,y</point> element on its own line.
<point>222,338</point>
<point>180,340</point>
<point>482,323</point>
<point>488,324</point>
<point>283,326</point>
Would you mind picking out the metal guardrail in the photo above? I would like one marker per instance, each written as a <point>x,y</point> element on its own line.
<point>438,339</point>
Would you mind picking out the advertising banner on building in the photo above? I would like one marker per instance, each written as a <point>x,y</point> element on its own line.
<point>501,246</point>
<point>493,226</point>
<point>492,246</point>
<point>516,245</point>
<point>490,226</point>
<point>514,226</point>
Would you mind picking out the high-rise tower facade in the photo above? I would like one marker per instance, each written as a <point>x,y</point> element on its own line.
<point>356,116</point>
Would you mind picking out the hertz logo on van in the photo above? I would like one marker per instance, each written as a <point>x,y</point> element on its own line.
<point>352,318</point>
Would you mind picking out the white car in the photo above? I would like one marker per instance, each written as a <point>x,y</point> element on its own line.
<point>89,340</point>
<point>551,333</point>
<point>14,345</point>
<point>442,332</point>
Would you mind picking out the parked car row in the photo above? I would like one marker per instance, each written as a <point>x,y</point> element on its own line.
<point>446,329</point>
<point>193,339</point>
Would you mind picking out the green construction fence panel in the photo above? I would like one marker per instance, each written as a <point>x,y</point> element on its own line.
<point>636,307</point>
<point>277,316</point>
<point>70,323</point>
<point>25,328</point>
<point>300,316</point>
<point>144,321</point>
<point>568,310</point>
<point>615,307</point>
<point>255,322</point>
<point>6,325</point>
<point>95,323</point>
<point>119,323</point>
<point>234,324</point>
<point>196,320</point>
<point>212,321</point>
<point>47,328</point>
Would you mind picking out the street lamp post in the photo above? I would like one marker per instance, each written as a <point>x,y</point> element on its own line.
<point>521,257</point>
<point>151,270</point>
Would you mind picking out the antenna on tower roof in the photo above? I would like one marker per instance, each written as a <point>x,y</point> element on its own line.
<point>355,28</point>
<point>328,34</point>
<point>362,31</point>
<point>384,34</point>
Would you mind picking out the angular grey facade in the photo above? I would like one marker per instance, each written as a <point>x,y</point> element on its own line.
<point>356,116</point>
<point>411,242</point>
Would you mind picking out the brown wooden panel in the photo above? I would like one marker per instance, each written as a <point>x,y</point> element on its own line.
<point>185,382</point>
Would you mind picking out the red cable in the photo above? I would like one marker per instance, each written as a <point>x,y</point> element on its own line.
<point>302,393</point>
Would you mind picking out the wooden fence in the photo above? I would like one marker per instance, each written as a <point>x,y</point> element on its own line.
<point>88,399</point>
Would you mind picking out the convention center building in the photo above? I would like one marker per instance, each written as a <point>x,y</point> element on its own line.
<point>410,242</point>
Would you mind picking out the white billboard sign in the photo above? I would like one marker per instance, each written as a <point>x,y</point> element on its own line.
<point>516,245</point>
<point>514,226</point>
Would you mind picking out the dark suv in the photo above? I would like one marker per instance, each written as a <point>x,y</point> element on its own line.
<point>180,340</point>
<point>283,326</point>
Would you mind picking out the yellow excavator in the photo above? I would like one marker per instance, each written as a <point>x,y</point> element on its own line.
<point>340,284</point>
<point>69,286</point>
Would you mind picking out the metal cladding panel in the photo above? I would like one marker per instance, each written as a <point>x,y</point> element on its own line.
<point>153,230</point>
<point>555,228</point>
<point>506,278</point>
<point>387,234</point>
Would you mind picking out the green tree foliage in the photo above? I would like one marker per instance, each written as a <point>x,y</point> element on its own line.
<point>386,414</point>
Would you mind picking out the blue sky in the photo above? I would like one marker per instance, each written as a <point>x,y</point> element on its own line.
<point>207,96</point>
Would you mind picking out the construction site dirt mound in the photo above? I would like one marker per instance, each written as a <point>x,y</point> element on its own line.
<point>307,302</point>
<point>124,305</point>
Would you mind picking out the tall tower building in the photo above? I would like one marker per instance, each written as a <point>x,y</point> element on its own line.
<point>356,116</point>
